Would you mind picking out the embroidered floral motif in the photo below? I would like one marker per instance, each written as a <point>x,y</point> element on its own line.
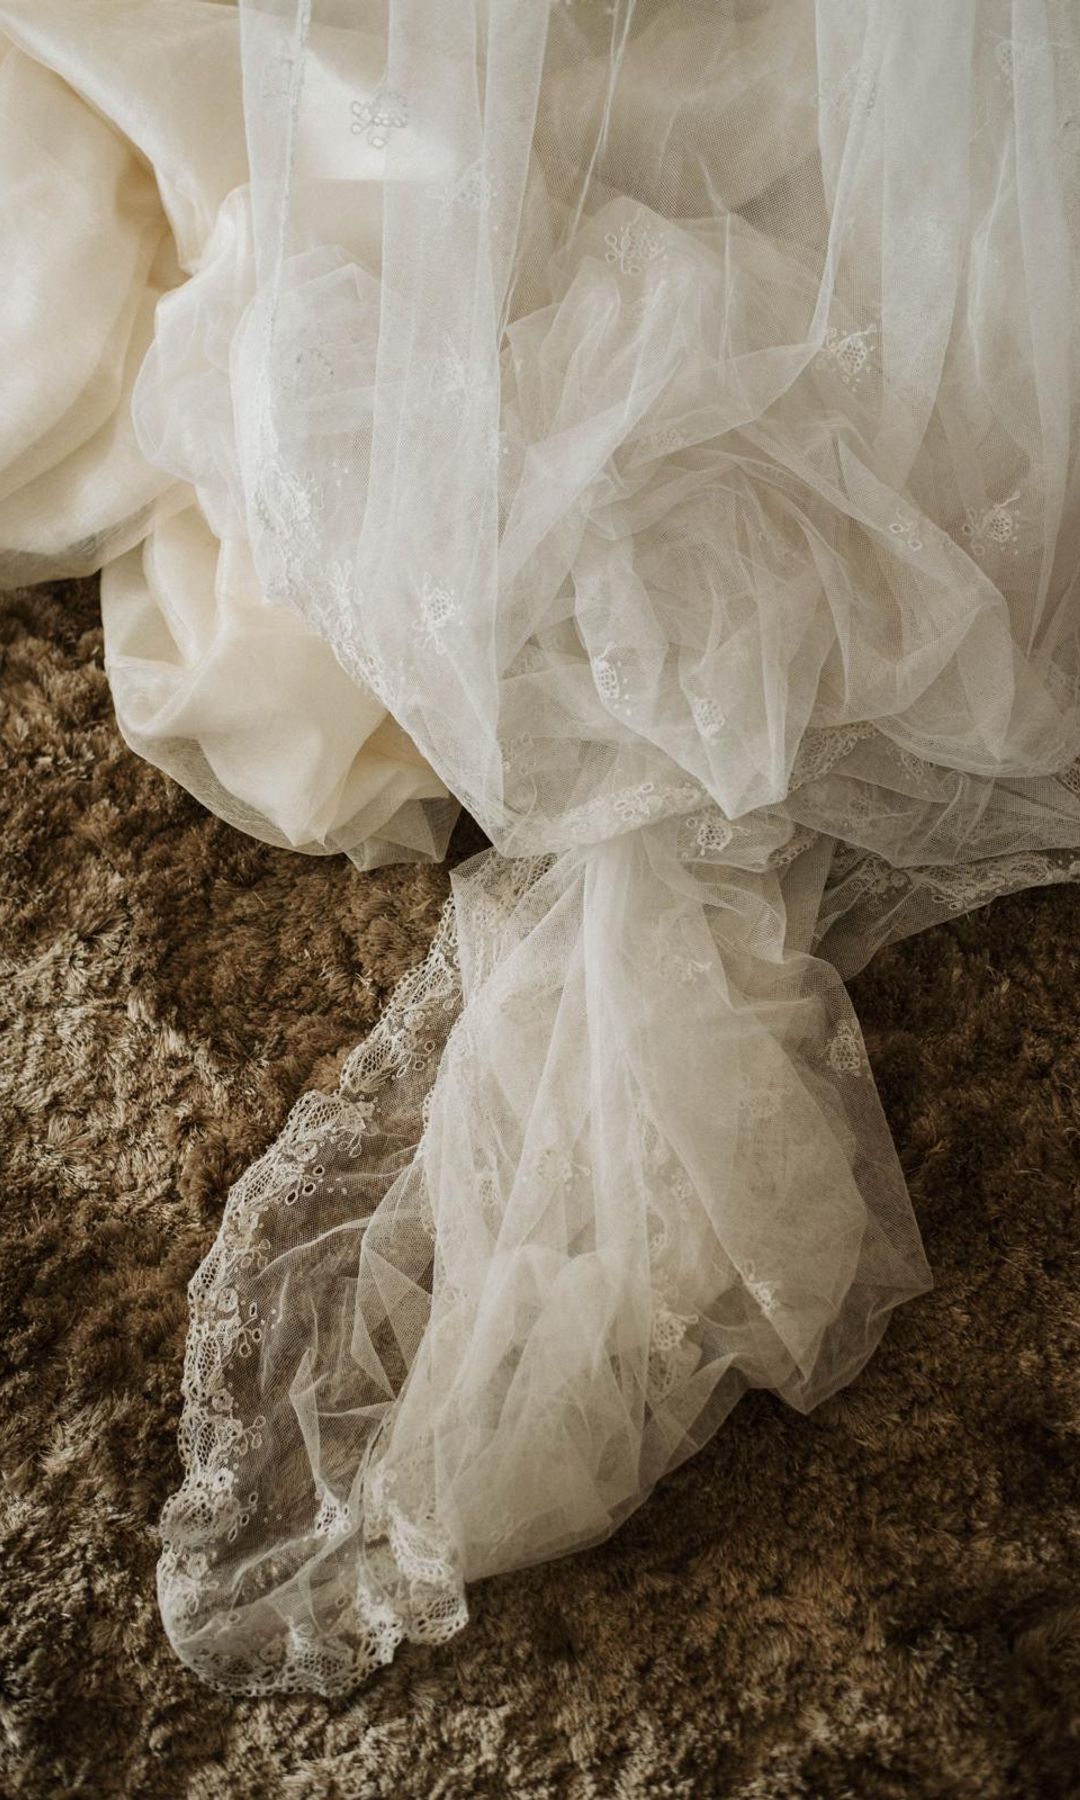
<point>845,1051</point>
<point>664,442</point>
<point>758,1105</point>
<point>995,528</point>
<point>474,191</point>
<point>671,1358</point>
<point>333,1518</point>
<point>421,1548</point>
<point>218,1498</point>
<point>707,716</point>
<point>449,377</point>
<point>440,609</point>
<point>1070,778</point>
<point>657,1232</point>
<point>821,748</point>
<point>710,834</point>
<point>311,371</point>
<point>596,819</point>
<point>249,1335</point>
<point>248,1507</point>
<point>905,527</point>
<point>425,1212</point>
<point>608,681</point>
<point>846,352</point>
<point>669,1329</point>
<point>802,838</point>
<point>635,805</point>
<point>913,766</point>
<point>634,246</point>
<point>863,876</point>
<point>285,505</point>
<point>375,119</point>
<point>677,964</point>
<point>764,1292</point>
<point>1013,56</point>
<point>963,888</point>
<point>554,1168</point>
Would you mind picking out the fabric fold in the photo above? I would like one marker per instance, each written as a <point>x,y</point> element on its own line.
<point>611,1156</point>
<point>653,427</point>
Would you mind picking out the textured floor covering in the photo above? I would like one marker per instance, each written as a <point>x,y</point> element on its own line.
<point>879,1601</point>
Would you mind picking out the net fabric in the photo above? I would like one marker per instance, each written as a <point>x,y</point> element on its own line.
<point>468,1311</point>
<point>670,412</point>
<point>666,446</point>
<point>256,1415</point>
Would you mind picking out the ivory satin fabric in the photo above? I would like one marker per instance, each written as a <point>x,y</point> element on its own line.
<point>123,181</point>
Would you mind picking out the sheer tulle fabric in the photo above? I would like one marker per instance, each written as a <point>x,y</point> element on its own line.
<point>667,413</point>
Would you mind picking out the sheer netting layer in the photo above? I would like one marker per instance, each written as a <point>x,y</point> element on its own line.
<point>468,1310</point>
<point>653,426</point>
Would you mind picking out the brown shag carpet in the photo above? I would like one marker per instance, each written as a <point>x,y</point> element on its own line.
<point>876,1602</point>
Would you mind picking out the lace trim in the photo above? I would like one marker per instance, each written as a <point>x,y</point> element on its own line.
<point>404,1582</point>
<point>822,748</point>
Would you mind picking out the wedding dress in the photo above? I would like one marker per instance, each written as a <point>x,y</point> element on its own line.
<point>652,426</point>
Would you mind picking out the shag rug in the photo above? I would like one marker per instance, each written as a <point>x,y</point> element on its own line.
<point>874,1603</point>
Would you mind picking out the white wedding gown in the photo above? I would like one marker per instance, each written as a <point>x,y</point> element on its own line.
<point>653,427</point>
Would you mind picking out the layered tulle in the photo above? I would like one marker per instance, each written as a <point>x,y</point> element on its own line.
<point>469,1310</point>
<point>663,418</point>
<point>710,388</point>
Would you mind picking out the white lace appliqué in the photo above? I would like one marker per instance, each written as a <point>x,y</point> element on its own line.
<point>1014,56</point>
<point>845,1053</point>
<point>411,1586</point>
<point>758,1105</point>
<point>375,119</point>
<point>664,442</point>
<point>822,748</point>
<point>995,528</point>
<point>633,246</point>
<point>671,1357</point>
<point>710,834</point>
<point>905,526</point>
<point>554,1169</point>
<point>474,191</point>
<point>707,716</point>
<point>636,805</point>
<point>608,681</point>
<point>606,815</point>
<point>675,963</point>
<point>765,1293</point>
<point>1070,778</point>
<point>440,609</point>
<point>847,353</point>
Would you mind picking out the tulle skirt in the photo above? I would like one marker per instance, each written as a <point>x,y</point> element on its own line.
<point>652,426</point>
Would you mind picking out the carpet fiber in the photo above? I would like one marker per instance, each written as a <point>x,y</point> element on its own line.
<point>879,1601</point>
